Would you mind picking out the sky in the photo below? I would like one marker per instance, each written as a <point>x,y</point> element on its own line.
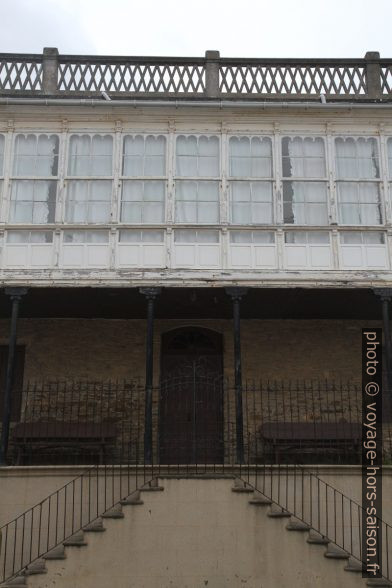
<point>241,28</point>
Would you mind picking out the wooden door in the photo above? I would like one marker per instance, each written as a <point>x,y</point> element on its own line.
<point>191,399</point>
<point>18,381</point>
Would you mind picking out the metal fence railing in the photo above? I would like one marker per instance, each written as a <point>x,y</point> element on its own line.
<point>193,421</point>
<point>54,75</point>
<point>285,424</point>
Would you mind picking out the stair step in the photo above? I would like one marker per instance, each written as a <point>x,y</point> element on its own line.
<point>317,538</point>
<point>133,498</point>
<point>114,513</point>
<point>260,501</point>
<point>56,553</point>
<point>242,489</point>
<point>76,540</point>
<point>95,527</point>
<point>278,512</point>
<point>378,582</point>
<point>297,525</point>
<point>37,567</point>
<point>130,501</point>
<point>335,552</point>
<point>17,581</point>
<point>353,565</point>
<point>151,488</point>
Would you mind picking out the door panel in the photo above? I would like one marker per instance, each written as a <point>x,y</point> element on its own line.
<point>191,398</point>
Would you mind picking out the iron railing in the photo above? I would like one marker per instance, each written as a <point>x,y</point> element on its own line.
<point>193,421</point>
<point>51,74</point>
<point>64,513</point>
<point>323,508</point>
<point>284,423</point>
<point>303,494</point>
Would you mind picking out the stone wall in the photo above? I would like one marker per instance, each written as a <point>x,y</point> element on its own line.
<point>97,349</point>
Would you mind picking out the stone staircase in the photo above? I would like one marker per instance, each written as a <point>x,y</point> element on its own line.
<point>220,542</point>
<point>331,550</point>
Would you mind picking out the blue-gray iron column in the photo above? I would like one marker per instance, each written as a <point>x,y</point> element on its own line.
<point>16,295</point>
<point>150,294</point>
<point>236,295</point>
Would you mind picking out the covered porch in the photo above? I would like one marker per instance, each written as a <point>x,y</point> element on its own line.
<point>186,375</point>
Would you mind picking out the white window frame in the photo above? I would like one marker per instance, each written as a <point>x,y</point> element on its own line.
<point>258,255</point>
<point>365,251</point>
<point>308,250</point>
<point>357,180</point>
<point>68,178</point>
<point>199,250</point>
<point>35,255</point>
<point>145,178</point>
<point>144,253</point>
<point>86,250</point>
<point>13,178</point>
<point>305,179</point>
<point>251,179</point>
<point>200,179</point>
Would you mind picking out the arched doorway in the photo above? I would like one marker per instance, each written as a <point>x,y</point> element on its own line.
<point>191,399</point>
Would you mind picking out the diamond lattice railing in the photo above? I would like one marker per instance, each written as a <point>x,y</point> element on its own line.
<point>176,78</point>
<point>20,75</point>
<point>297,80</point>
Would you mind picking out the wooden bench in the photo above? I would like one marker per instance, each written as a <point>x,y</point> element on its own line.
<point>60,437</point>
<point>301,437</point>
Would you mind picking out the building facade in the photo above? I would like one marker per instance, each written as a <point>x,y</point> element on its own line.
<point>189,251</point>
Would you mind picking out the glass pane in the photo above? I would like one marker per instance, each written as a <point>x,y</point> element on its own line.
<point>241,213</point>
<point>208,212</point>
<point>2,144</point>
<point>130,236</point>
<point>318,237</point>
<point>148,201</point>
<point>207,237</point>
<point>257,237</point>
<point>303,157</point>
<point>74,237</point>
<point>241,236</point>
<point>197,156</point>
<point>296,237</point>
<point>144,156</point>
<point>305,203</point>
<point>250,157</point>
<point>261,213</point>
<point>86,237</point>
<point>351,238</point>
<point>36,155</point>
<point>97,236</point>
<point>41,237</point>
<point>90,155</point>
<point>185,236</point>
<point>240,191</point>
<point>186,212</point>
<point>18,236</point>
<point>373,238</point>
<point>33,201</point>
<point>357,158</point>
<point>152,236</point>
<point>88,201</point>
<point>265,237</point>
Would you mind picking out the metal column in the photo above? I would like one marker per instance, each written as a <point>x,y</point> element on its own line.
<point>236,295</point>
<point>16,295</point>
<point>385,295</point>
<point>150,294</point>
